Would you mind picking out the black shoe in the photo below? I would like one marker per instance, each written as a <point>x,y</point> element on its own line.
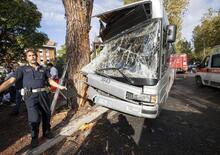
<point>48,135</point>
<point>34,142</point>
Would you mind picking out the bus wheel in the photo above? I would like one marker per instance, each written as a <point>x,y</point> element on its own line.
<point>199,81</point>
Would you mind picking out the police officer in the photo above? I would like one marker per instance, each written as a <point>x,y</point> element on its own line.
<point>34,79</point>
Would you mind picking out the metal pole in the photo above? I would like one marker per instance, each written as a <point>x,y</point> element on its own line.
<point>61,81</point>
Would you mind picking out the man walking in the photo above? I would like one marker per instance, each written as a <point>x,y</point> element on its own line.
<point>34,79</point>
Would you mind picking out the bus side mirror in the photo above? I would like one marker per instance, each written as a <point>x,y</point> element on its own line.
<point>171,33</point>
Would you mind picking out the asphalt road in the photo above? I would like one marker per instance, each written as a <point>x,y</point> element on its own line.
<point>188,124</point>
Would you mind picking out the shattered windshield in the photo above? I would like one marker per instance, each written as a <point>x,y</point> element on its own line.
<point>132,54</point>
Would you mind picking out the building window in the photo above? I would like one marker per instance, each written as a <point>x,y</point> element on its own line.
<point>47,52</point>
<point>48,59</point>
<point>41,52</point>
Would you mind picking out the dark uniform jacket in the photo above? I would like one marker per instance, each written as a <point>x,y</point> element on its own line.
<point>32,78</point>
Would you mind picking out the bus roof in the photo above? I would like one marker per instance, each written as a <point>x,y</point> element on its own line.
<point>155,8</point>
<point>132,5</point>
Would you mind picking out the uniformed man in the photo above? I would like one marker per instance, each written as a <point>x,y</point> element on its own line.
<point>34,79</point>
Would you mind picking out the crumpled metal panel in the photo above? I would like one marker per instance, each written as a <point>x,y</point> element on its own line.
<point>135,52</point>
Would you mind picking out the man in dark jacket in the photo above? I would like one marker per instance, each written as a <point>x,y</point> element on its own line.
<point>34,79</point>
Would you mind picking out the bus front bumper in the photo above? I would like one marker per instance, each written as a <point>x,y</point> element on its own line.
<point>123,106</point>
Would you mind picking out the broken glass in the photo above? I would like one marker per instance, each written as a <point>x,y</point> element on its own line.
<point>135,52</point>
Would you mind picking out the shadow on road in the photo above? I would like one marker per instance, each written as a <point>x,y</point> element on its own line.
<point>110,138</point>
<point>181,133</point>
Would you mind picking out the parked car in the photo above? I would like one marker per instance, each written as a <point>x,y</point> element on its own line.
<point>208,72</point>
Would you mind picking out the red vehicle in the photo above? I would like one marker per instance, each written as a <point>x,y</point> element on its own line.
<point>179,62</point>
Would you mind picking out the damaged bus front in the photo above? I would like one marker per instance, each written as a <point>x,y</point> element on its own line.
<point>131,74</point>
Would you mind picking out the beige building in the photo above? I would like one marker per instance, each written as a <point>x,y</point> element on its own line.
<point>47,53</point>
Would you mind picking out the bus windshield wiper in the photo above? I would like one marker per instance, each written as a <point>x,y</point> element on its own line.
<point>103,74</point>
<point>118,69</point>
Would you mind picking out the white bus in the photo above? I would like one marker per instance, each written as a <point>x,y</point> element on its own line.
<point>132,74</point>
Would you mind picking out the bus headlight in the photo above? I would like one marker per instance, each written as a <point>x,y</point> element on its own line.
<point>153,99</point>
<point>138,97</point>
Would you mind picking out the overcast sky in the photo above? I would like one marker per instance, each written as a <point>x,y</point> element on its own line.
<point>195,11</point>
<point>53,21</point>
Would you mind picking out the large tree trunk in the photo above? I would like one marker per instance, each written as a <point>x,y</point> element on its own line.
<point>78,17</point>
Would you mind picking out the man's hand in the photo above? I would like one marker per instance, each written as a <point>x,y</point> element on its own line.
<point>62,87</point>
<point>53,83</point>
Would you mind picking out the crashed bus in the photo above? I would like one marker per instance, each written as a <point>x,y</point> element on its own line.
<point>131,74</point>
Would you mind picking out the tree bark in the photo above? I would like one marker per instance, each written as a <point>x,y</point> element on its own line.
<point>78,17</point>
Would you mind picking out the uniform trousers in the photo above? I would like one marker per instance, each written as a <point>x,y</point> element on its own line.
<point>38,107</point>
